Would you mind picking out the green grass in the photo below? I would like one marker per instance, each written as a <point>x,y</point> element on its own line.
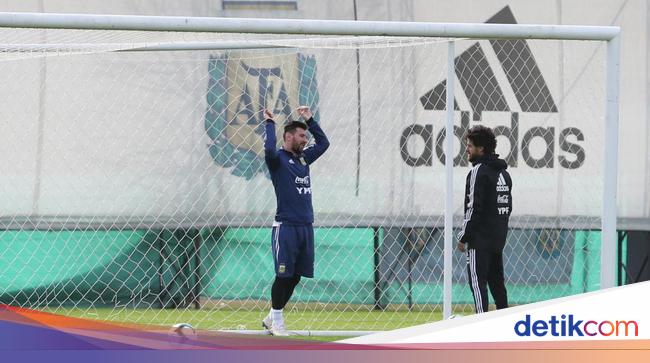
<point>251,320</point>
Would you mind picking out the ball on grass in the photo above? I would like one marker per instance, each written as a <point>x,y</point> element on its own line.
<point>182,333</point>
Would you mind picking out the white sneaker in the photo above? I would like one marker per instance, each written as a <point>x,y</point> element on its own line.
<point>279,331</point>
<point>267,322</point>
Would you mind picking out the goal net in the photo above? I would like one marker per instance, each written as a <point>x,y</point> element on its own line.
<point>134,186</point>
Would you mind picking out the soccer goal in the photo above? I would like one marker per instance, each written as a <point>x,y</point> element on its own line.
<point>134,186</point>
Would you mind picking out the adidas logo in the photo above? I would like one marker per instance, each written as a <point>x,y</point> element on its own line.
<point>498,76</point>
<point>502,186</point>
<point>502,180</point>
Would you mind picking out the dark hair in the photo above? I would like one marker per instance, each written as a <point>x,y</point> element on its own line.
<point>291,127</point>
<point>482,136</point>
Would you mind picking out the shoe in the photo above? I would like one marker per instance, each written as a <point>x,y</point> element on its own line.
<point>279,331</point>
<point>267,323</point>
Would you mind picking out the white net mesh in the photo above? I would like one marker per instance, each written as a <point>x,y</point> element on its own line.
<point>135,187</point>
<point>547,110</point>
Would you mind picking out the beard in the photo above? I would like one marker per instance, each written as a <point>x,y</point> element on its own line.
<point>297,149</point>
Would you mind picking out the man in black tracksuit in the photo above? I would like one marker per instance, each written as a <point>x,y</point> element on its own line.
<point>488,204</point>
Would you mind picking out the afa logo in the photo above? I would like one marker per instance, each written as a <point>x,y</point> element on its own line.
<point>239,89</point>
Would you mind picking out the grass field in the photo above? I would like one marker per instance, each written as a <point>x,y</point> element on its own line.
<point>251,320</point>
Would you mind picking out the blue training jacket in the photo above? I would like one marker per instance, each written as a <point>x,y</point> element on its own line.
<point>290,175</point>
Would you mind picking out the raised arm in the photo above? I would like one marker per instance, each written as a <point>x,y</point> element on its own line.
<point>270,141</point>
<point>321,144</point>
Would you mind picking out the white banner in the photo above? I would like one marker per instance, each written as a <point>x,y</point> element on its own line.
<point>619,313</point>
<point>150,136</point>
<point>178,135</point>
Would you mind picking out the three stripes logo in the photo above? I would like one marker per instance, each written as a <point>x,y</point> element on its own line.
<point>502,180</point>
<point>498,76</point>
<point>502,186</point>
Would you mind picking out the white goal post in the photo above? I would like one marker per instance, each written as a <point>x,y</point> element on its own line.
<point>450,33</point>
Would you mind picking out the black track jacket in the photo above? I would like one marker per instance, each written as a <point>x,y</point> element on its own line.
<point>488,204</point>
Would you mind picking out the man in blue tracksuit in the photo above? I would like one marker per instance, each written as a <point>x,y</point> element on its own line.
<point>292,234</point>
